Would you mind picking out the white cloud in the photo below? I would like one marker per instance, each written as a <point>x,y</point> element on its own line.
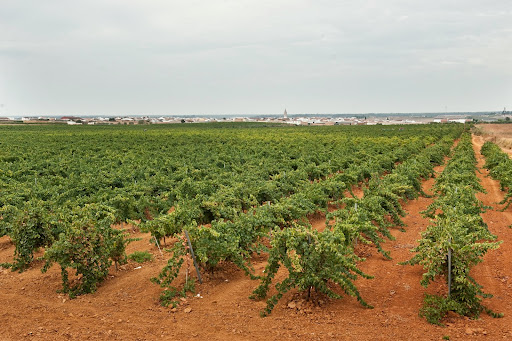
<point>252,56</point>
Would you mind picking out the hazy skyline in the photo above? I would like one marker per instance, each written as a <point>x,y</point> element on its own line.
<point>254,57</point>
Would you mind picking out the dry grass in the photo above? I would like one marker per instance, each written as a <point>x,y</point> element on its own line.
<point>501,134</point>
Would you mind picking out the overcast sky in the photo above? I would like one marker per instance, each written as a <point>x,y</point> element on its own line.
<point>112,57</point>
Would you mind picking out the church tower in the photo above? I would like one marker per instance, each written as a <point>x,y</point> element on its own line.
<point>285,115</point>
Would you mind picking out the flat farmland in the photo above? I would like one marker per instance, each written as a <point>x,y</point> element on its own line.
<point>261,205</point>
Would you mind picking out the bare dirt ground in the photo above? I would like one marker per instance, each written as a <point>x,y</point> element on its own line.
<point>126,307</point>
<point>500,134</point>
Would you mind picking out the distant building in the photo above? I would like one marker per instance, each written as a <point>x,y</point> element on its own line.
<point>285,115</point>
<point>342,123</point>
<point>70,118</point>
<point>460,120</point>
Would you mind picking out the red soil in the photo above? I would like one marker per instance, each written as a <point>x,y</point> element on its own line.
<point>125,307</point>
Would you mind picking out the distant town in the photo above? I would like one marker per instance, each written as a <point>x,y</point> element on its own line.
<point>285,118</point>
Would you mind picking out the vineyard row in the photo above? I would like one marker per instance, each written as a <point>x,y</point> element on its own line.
<point>457,239</point>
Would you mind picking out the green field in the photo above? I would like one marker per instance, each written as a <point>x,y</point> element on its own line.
<point>235,188</point>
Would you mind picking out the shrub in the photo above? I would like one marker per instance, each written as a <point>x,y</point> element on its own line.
<point>141,256</point>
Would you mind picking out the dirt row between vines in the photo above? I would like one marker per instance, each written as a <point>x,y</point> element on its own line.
<point>126,307</point>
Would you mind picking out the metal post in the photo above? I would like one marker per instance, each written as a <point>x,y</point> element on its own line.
<point>156,241</point>
<point>449,269</point>
<point>355,240</point>
<point>309,289</point>
<point>193,256</point>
